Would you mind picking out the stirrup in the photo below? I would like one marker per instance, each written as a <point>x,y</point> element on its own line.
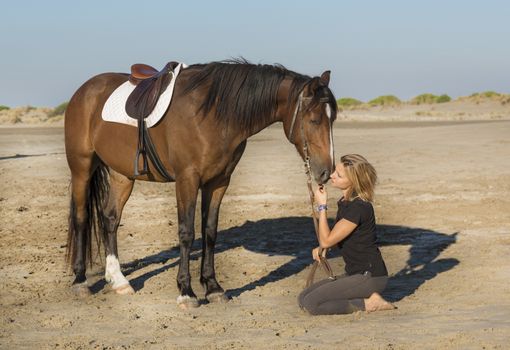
<point>145,169</point>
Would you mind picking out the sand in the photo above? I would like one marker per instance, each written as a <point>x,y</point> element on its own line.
<point>443,209</point>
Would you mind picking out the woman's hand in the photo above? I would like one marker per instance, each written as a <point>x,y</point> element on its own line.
<point>315,254</point>
<point>320,195</point>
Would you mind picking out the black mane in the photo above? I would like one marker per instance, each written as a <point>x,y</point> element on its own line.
<point>243,92</point>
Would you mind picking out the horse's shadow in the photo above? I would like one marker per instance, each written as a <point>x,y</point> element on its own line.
<point>294,236</point>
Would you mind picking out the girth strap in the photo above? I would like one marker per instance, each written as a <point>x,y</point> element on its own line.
<point>147,148</point>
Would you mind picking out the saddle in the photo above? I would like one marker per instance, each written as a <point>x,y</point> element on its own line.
<point>150,84</point>
<point>140,71</point>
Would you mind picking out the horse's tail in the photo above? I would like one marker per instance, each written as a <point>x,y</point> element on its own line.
<point>94,223</point>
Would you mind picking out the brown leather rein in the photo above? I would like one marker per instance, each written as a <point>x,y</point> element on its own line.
<point>322,252</point>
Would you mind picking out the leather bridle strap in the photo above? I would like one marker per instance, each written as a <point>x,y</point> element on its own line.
<point>296,111</point>
<point>322,252</point>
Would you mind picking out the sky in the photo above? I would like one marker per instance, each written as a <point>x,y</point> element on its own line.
<point>405,48</point>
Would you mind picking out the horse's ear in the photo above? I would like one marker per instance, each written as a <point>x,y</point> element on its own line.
<point>325,78</point>
<point>312,87</point>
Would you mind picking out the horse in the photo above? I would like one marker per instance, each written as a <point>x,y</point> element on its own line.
<point>215,108</point>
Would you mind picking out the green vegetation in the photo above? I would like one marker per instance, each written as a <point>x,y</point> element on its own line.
<point>430,99</point>
<point>424,99</point>
<point>59,110</point>
<point>480,97</point>
<point>391,100</point>
<point>386,100</point>
<point>443,98</point>
<point>3,108</point>
<point>348,102</point>
<point>486,94</point>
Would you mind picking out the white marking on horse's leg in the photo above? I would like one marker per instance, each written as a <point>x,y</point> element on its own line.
<point>331,147</point>
<point>113,273</point>
<point>182,299</point>
<point>186,302</point>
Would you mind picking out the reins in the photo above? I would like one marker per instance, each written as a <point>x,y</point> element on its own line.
<point>322,252</point>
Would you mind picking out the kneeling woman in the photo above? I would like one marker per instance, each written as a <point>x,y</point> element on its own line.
<point>354,232</point>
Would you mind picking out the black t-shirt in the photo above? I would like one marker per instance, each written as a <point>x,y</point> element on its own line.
<point>359,249</point>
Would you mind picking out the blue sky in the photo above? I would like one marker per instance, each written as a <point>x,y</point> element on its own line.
<point>49,48</point>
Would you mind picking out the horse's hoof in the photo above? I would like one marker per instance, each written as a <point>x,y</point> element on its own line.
<point>218,297</point>
<point>124,290</point>
<point>81,290</point>
<point>186,302</point>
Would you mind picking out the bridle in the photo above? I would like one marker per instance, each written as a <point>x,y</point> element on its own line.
<point>299,105</point>
<point>322,252</point>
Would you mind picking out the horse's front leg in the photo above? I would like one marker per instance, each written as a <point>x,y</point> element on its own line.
<point>212,194</point>
<point>186,192</point>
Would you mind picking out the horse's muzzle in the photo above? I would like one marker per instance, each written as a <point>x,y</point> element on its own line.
<point>323,177</point>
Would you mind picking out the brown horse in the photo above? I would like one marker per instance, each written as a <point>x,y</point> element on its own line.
<point>200,139</point>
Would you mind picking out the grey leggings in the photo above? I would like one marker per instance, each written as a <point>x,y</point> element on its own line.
<point>343,295</point>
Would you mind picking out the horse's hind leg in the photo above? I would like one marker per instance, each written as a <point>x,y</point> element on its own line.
<point>78,224</point>
<point>80,221</point>
<point>119,192</point>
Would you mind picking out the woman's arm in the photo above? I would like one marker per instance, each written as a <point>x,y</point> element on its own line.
<point>327,237</point>
<point>343,228</point>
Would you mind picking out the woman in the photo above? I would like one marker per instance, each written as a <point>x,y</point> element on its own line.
<point>354,232</point>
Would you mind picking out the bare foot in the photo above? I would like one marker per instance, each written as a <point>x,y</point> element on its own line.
<point>377,303</point>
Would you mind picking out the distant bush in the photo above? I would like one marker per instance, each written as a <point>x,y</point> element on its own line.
<point>59,110</point>
<point>486,94</point>
<point>386,100</point>
<point>443,98</point>
<point>348,102</point>
<point>424,99</point>
<point>430,99</point>
<point>3,108</point>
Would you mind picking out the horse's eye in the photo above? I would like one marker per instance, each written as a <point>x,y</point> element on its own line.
<point>315,118</point>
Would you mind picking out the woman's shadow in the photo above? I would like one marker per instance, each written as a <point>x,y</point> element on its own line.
<point>294,236</point>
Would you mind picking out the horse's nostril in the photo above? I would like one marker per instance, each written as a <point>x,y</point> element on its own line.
<point>324,176</point>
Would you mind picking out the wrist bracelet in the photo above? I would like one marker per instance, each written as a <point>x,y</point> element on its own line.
<point>321,207</point>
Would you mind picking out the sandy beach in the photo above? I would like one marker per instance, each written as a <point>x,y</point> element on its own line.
<point>443,212</point>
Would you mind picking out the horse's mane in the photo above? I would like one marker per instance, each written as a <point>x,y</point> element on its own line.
<point>242,92</point>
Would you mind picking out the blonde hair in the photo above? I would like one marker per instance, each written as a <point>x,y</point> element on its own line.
<point>362,175</point>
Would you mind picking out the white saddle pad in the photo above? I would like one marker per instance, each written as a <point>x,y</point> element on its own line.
<point>114,110</point>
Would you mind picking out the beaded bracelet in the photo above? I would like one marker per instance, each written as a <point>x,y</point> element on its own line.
<point>321,207</point>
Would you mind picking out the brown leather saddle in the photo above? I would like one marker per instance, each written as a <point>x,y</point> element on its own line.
<point>150,84</point>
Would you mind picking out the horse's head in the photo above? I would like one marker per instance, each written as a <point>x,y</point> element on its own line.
<point>309,127</point>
